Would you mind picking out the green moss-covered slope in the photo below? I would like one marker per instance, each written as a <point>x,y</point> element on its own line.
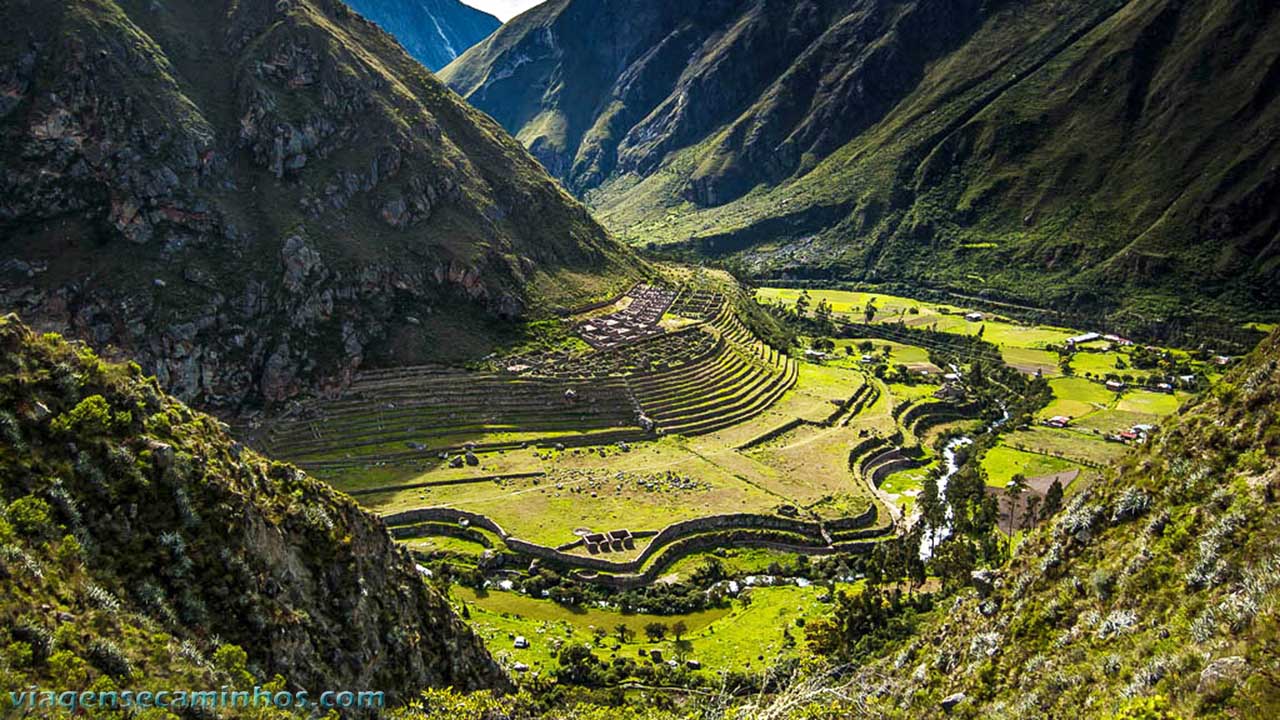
<point>139,543</point>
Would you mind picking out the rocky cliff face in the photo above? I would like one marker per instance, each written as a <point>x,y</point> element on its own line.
<point>120,509</point>
<point>258,197</point>
<point>433,31</point>
<point>1081,154</point>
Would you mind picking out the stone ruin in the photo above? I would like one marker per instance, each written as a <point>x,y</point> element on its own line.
<point>612,541</point>
<point>637,321</point>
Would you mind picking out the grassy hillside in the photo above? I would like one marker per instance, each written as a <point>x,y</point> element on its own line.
<point>1093,154</point>
<point>255,198</point>
<point>1156,587</point>
<point>142,548</point>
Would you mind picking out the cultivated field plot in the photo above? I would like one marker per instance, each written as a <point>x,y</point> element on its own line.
<point>1100,419</point>
<point>717,639</point>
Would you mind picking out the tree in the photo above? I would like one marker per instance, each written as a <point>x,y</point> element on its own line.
<point>869,312</point>
<point>623,632</point>
<point>802,304</point>
<point>678,629</point>
<point>1052,500</point>
<point>982,329</point>
<point>1029,515</point>
<point>1013,491</point>
<point>655,631</point>
<point>823,312</point>
<point>932,510</point>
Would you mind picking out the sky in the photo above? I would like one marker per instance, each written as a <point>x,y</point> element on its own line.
<point>503,9</point>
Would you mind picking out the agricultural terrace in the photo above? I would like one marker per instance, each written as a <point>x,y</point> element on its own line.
<point>656,425</point>
<point>607,450</point>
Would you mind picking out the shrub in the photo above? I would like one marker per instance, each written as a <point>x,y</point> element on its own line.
<point>18,654</point>
<point>1144,708</point>
<point>92,416</point>
<point>103,599</point>
<point>110,659</point>
<point>1132,504</point>
<point>30,516</point>
<point>11,432</point>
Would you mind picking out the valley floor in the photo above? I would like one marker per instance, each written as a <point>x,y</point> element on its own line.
<point>852,430</point>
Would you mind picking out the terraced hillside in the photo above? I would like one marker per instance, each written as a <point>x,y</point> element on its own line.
<point>733,385</point>
<point>403,414</point>
<point>701,377</point>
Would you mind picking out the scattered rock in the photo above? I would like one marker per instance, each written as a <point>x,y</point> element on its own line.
<point>984,581</point>
<point>1221,672</point>
<point>951,701</point>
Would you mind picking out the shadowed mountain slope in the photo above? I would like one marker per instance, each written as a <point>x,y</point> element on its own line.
<point>255,198</point>
<point>433,31</point>
<point>1087,154</point>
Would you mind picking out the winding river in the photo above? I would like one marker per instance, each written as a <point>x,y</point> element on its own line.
<point>951,465</point>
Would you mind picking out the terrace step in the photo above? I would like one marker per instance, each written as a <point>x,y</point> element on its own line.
<point>735,414</point>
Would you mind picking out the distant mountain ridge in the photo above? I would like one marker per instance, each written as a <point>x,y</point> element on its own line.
<point>1093,154</point>
<point>258,198</point>
<point>433,31</point>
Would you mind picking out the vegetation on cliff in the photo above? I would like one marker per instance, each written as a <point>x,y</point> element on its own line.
<point>141,547</point>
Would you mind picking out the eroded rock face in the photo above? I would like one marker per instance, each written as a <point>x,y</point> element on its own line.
<point>250,205</point>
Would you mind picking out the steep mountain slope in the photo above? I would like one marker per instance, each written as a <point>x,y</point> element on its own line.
<point>1162,580</point>
<point>1075,154</point>
<point>256,197</point>
<point>433,31</point>
<point>137,539</point>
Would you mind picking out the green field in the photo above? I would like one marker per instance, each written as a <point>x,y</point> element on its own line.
<point>718,638</point>
<point>1076,397</point>
<point>1001,463</point>
<point>1069,444</point>
<point>999,331</point>
<point>1031,360</point>
<point>908,355</point>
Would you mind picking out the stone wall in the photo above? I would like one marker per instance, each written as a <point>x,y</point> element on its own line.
<point>664,541</point>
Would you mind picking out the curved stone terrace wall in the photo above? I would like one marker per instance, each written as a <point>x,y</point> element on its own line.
<point>668,536</point>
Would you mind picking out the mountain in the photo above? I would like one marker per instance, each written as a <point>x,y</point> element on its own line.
<point>256,198</point>
<point>142,546</point>
<point>1087,155</point>
<point>1155,588</point>
<point>433,31</point>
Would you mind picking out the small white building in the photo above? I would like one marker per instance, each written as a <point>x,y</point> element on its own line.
<point>1086,337</point>
<point>521,643</point>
